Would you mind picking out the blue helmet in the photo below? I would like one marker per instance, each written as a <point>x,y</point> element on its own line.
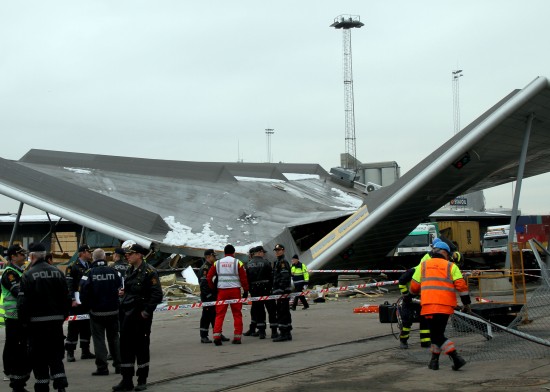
<point>443,245</point>
<point>435,242</point>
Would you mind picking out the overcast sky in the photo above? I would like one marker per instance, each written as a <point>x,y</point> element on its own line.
<point>202,80</point>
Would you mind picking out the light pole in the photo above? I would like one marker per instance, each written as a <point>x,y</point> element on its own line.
<point>268,133</point>
<point>456,75</point>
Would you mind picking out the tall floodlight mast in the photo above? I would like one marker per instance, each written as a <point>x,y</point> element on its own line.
<point>456,75</point>
<point>346,23</point>
<point>268,133</point>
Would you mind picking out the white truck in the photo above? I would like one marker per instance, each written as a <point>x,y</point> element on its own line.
<point>419,241</point>
<point>495,240</point>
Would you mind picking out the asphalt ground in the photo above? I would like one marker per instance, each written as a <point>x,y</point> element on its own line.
<point>333,348</point>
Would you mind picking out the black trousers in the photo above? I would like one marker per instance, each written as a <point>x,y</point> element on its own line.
<point>101,326</point>
<point>299,287</point>
<point>135,336</point>
<point>284,319</point>
<point>78,328</point>
<point>438,323</point>
<point>207,320</point>
<point>409,312</point>
<point>15,358</point>
<point>46,354</point>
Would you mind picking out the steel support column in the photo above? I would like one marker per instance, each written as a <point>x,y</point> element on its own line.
<point>517,191</point>
<point>14,230</point>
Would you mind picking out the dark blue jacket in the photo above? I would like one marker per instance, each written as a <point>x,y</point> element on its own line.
<point>99,289</point>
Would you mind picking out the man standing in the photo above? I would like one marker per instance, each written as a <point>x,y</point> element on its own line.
<point>74,273</point>
<point>260,280</point>
<point>300,277</point>
<point>99,293</point>
<point>208,316</point>
<point>15,348</point>
<point>43,304</point>
<point>282,285</point>
<point>140,296</point>
<point>409,311</point>
<point>436,280</point>
<point>228,276</point>
<point>119,262</point>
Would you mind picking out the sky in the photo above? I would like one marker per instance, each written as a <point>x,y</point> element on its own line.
<point>201,81</point>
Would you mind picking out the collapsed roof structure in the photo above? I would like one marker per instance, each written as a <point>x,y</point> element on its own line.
<point>296,204</point>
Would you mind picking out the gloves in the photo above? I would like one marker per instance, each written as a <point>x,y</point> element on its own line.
<point>245,294</point>
<point>407,299</point>
<point>305,287</point>
<point>467,308</point>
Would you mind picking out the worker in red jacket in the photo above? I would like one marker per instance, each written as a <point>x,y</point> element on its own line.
<point>437,280</point>
<point>228,276</point>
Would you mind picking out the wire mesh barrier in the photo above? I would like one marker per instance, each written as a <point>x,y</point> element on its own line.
<point>499,328</point>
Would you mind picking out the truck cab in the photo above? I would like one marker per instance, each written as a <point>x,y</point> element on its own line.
<point>419,241</point>
<point>495,240</point>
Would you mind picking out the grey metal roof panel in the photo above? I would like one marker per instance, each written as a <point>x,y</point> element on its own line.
<point>494,142</point>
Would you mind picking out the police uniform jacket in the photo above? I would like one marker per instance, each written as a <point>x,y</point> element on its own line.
<point>281,277</point>
<point>99,289</point>
<point>74,273</point>
<point>260,276</point>
<point>207,294</point>
<point>121,266</point>
<point>142,290</point>
<point>9,284</point>
<point>43,294</point>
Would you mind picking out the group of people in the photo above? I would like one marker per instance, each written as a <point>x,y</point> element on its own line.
<point>230,279</point>
<point>102,302</point>
<point>436,280</point>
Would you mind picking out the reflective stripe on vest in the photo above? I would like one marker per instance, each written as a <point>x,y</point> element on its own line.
<point>228,273</point>
<point>8,303</point>
<point>437,286</point>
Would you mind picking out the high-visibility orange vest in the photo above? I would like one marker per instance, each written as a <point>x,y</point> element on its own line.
<point>437,283</point>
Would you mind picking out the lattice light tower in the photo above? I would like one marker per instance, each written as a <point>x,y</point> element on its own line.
<point>456,75</point>
<point>346,23</point>
<point>268,133</point>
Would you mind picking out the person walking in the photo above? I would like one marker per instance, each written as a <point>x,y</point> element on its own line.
<point>436,280</point>
<point>140,296</point>
<point>208,316</point>
<point>14,356</point>
<point>43,303</point>
<point>78,328</point>
<point>99,293</point>
<point>260,280</point>
<point>282,285</point>
<point>300,277</point>
<point>228,276</point>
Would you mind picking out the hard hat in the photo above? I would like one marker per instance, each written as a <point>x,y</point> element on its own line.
<point>444,246</point>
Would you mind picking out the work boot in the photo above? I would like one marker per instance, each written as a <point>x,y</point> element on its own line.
<point>262,334</point>
<point>101,372</point>
<point>274,333</point>
<point>224,339</point>
<point>86,354</point>
<point>282,338</point>
<point>124,386</point>
<point>425,344</point>
<point>205,340</point>
<point>141,384</point>
<point>236,341</point>
<point>251,331</point>
<point>458,361</point>
<point>218,342</point>
<point>403,345</point>
<point>70,356</point>
<point>434,362</point>
<point>293,307</point>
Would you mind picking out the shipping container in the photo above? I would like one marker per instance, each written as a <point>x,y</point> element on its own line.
<point>464,233</point>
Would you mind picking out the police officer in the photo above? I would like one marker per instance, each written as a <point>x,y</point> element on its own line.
<point>99,293</point>
<point>15,348</point>
<point>119,262</point>
<point>43,304</point>
<point>282,285</point>
<point>208,316</point>
<point>260,280</point>
<point>76,328</point>
<point>140,296</point>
